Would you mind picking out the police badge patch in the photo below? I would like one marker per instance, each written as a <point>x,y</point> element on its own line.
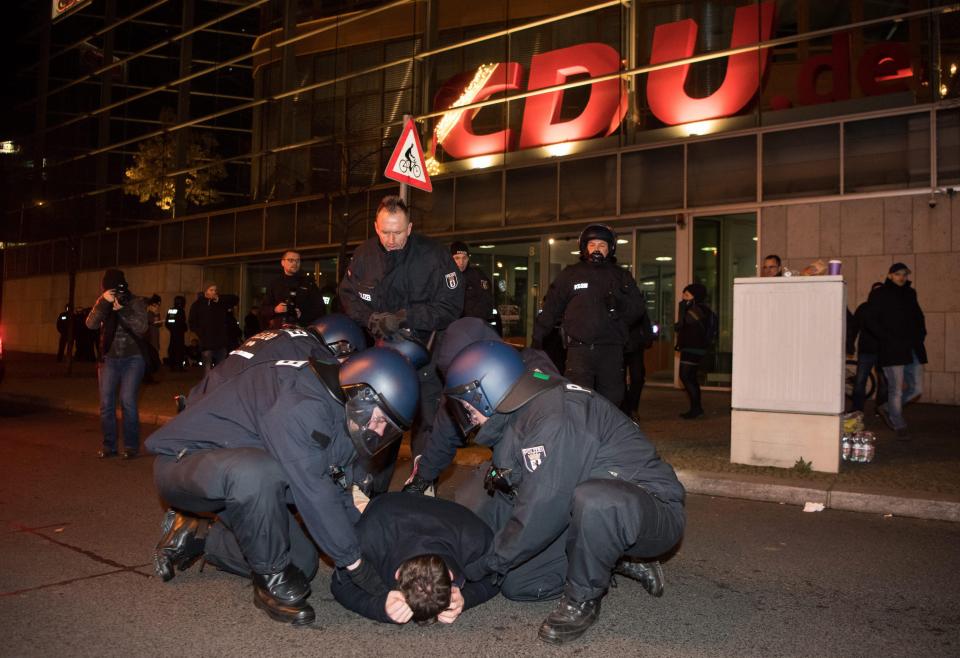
<point>533,457</point>
<point>451,278</point>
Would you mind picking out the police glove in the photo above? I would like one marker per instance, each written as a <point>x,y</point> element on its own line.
<point>385,324</point>
<point>366,578</point>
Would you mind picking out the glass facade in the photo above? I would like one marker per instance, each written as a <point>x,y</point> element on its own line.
<point>846,99</point>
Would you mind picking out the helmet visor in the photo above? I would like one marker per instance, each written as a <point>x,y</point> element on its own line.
<point>368,424</point>
<point>466,404</point>
<point>341,348</point>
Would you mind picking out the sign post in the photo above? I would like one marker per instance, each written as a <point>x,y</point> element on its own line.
<point>406,165</point>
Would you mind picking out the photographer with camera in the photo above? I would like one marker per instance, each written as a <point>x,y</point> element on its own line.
<point>121,317</point>
<point>292,298</point>
<point>209,318</point>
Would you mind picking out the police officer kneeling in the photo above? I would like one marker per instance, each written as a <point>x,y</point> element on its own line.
<point>578,492</point>
<point>279,433</point>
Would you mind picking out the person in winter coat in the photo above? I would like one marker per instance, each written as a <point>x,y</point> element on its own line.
<point>695,328</point>
<point>209,317</point>
<point>868,348</point>
<point>902,330</point>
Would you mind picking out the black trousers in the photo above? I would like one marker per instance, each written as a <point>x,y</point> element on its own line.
<point>254,531</point>
<point>689,365</point>
<point>597,367</point>
<point>608,519</point>
<point>638,377</point>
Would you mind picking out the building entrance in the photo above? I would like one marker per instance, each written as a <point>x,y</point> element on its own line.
<point>724,247</point>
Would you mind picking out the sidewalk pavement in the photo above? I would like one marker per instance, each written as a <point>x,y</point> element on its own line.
<point>919,478</point>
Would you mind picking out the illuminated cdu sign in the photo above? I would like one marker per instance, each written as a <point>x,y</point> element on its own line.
<point>881,69</point>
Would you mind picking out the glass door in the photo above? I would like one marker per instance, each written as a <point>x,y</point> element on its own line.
<point>724,247</point>
<point>515,271</point>
<point>656,273</point>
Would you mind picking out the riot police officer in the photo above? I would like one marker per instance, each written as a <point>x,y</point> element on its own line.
<point>575,487</point>
<point>401,279</point>
<point>446,436</point>
<point>597,301</point>
<point>477,288</point>
<point>279,433</point>
<point>330,335</point>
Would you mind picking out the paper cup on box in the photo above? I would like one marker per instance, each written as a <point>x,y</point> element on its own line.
<point>834,266</point>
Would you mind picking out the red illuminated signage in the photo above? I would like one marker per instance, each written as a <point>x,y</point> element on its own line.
<point>882,68</point>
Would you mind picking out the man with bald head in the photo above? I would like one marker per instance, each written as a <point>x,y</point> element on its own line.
<point>404,280</point>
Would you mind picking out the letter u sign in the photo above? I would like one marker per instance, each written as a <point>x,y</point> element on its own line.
<point>665,93</point>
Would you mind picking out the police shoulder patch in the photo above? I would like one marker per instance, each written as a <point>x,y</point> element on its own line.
<point>451,278</point>
<point>533,457</point>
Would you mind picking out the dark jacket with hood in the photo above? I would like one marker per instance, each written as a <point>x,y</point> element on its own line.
<point>558,439</point>
<point>396,527</point>
<point>421,279</point>
<point>597,303</point>
<point>900,324</point>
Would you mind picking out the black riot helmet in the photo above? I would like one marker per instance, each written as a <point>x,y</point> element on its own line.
<point>598,232</point>
<point>340,334</point>
<point>382,392</point>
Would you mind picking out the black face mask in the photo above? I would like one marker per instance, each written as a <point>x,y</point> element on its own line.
<point>597,257</point>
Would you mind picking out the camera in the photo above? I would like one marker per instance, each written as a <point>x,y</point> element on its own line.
<point>290,315</point>
<point>123,293</point>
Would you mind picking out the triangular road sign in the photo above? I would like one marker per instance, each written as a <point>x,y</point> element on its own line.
<point>406,164</point>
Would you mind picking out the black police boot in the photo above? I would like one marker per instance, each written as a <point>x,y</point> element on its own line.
<point>648,574</point>
<point>283,596</point>
<point>569,620</point>
<point>419,485</point>
<point>181,543</point>
<point>180,402</point>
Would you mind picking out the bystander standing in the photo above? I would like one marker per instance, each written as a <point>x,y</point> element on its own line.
<point>209,316</point>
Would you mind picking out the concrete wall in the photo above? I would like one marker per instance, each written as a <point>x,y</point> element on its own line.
<point>871,234</point>
<point>31,305</point>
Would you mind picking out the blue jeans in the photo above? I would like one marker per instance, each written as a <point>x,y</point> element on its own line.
<point>911,375</point>
<point>125,374</point>
<point>212,357</point>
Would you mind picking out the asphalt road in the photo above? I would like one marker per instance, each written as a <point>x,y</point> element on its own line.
<point>750,579</point>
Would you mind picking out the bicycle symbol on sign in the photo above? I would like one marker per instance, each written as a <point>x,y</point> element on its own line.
<point>409,164</point>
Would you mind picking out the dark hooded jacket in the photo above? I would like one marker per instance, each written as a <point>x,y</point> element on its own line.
<point>900,325</point>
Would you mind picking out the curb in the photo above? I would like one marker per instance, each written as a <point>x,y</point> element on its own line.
<point>746,487</point>
<point>914,505</point>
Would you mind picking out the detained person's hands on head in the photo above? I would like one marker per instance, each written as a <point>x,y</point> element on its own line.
<point>450,615</point>
<point>396,607</point>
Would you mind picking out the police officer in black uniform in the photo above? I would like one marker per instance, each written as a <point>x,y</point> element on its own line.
<point>176,324</point>
<point>446,436</point>
<point>477,288</point>
<point>291,298</point>
<point>402,534</point>
<point>279,433</point>
<point>331,335</point>
<point>402,279</point>
<point>576,487</point>
<point>598,301</point>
